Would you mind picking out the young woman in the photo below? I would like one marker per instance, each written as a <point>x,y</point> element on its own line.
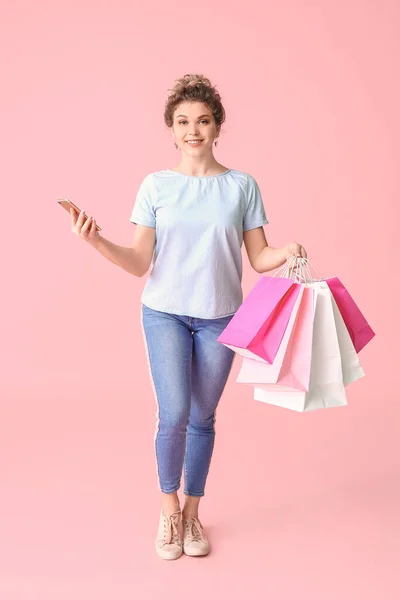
<point>191,222</point>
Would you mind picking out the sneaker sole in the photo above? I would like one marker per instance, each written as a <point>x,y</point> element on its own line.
<point>196,552</point>
<point>168,555</point>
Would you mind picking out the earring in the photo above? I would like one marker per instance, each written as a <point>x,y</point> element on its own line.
<point>216,142</point>
<point>176,146</point>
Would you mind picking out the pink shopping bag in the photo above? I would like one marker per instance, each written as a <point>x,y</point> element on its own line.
<point>357,326</point>
<point>257,328</point>
<point>291,367</point>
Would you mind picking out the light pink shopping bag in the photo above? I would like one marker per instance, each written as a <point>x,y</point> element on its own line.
<point>257,328</point>
<point>357,326</point>
<point>291,367</point>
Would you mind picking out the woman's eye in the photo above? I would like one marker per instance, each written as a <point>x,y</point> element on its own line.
<point>202,121</point>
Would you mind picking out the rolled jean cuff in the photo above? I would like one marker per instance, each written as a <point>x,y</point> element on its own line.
<point>194,494</point>
<point>170,491</point>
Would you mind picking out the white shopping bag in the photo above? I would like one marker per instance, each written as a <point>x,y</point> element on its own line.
<point>327,376</point>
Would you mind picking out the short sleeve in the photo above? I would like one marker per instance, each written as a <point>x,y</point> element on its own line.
<point>143,210</point>
<point>254,215</point>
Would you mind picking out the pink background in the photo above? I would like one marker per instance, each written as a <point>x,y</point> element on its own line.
<point>302,505</point>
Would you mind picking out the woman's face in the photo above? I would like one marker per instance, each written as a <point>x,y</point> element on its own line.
<point>194,121</point>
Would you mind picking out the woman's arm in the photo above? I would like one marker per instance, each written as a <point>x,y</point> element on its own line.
<point>265,258</point>
<point>136,259</point>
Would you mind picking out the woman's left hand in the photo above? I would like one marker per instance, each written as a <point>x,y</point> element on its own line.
<point>295,249</point>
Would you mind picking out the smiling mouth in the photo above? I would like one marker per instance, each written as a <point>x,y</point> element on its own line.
<point>193,142</point>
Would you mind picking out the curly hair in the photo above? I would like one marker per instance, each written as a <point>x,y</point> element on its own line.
<point>194,88</point>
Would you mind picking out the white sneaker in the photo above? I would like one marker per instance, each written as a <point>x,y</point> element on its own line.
<point>194,540</point>
<point>169,539</point>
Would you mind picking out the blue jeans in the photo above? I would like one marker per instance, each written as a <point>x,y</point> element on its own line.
<point>189,370</point>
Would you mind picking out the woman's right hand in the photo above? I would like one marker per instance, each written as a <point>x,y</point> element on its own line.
<point>85,230</point>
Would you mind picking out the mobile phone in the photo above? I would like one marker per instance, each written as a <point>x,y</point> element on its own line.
<point>67,204</point>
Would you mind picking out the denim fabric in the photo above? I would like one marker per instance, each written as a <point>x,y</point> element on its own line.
<point>189,370</point>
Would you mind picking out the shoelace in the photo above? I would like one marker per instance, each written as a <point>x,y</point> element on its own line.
<point>171,531</point>
<point>194,530</point>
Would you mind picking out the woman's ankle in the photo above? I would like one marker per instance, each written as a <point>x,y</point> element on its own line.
<point>191,507</point>
<point>170,504</point>
<point>189,514</point>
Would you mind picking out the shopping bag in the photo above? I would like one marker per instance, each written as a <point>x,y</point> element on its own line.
<point>257,328</point>
<point>326,388</point>
<point>351,366</point>
<point>360,331</point>
<point>291,367</point>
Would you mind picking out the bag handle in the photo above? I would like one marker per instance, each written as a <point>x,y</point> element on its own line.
<point>299,269</point>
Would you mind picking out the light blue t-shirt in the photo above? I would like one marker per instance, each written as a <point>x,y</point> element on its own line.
<point>199,222</point>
